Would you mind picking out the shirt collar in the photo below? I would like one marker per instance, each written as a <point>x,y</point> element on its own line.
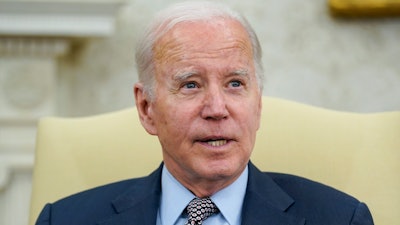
<point>175,197</point>
<point>230,199</point>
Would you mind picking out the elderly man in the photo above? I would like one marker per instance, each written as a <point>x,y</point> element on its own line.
<point>200,93</point>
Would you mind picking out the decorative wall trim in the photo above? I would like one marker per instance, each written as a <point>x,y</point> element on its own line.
<point>364,8</point>
<point>58,18</point>
<point>52,47</point>
<point>12,162</point>
<point>33,33</point>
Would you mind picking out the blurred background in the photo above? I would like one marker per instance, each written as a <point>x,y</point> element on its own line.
<point>76,58</point>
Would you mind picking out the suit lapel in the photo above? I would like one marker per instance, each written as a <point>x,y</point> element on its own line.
<point>266,203</point>
<point>139,204</point>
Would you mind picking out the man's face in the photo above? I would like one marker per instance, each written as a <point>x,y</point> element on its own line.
<point>207,106</point>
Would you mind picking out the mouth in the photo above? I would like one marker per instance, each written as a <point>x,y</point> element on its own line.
<point>214,142</point>
<point>217,143</point>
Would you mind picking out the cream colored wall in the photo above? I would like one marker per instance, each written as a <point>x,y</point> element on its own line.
<point>309,56</point>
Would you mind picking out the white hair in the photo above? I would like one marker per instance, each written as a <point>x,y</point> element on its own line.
<point>187,12</point>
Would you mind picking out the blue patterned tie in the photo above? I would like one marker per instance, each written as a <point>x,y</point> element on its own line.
<point>200,209</point>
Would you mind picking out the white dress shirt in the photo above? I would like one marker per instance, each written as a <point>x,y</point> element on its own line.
<point>175,197</point>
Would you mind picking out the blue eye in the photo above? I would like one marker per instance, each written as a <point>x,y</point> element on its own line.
<point>190,85</point>
<point>235,83</point>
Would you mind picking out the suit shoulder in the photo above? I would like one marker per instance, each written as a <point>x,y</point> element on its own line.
<point>88,206</point>
<point>301,187</point>
<point>106,191</point>
<point>111,191</point>
<point>321,204</point>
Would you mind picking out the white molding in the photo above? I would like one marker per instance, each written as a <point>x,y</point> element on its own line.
<point>58,18</point>
<point>28,46</point>
<point>12,162</point>
<point>33,33</point>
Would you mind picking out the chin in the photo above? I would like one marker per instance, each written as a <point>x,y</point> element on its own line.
<point>220,170</point>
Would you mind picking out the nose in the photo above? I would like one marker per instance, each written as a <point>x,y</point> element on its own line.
<point>214,105</point>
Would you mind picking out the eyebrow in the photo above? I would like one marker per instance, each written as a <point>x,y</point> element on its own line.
<point>241,72</point>
<point>184,75</point>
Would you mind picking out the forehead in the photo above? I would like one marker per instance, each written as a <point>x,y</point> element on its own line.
<point>190,38</point>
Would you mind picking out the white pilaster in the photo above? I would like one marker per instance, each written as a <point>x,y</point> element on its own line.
<point>33,35</point>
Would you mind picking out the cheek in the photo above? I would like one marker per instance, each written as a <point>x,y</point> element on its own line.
<point>172,125</point>
<point>250,120</point>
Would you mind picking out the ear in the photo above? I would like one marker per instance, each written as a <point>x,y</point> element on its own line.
<point>144,108</point>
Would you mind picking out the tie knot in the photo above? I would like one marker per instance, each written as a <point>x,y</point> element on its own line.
<point>200,209</point>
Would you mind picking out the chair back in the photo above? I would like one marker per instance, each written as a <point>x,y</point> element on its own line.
<point>356,153</point>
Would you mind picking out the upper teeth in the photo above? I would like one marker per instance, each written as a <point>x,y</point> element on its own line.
<point>216,143</point>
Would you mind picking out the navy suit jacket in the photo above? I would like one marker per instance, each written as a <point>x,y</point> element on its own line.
<point>271,199</point>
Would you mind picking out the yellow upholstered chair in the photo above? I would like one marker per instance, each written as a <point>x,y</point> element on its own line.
<point>356,153</point>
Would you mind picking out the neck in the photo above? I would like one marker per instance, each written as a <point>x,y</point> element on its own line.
<point>204,187</point>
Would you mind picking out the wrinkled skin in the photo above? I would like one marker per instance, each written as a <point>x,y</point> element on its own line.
<point>207,104</point>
